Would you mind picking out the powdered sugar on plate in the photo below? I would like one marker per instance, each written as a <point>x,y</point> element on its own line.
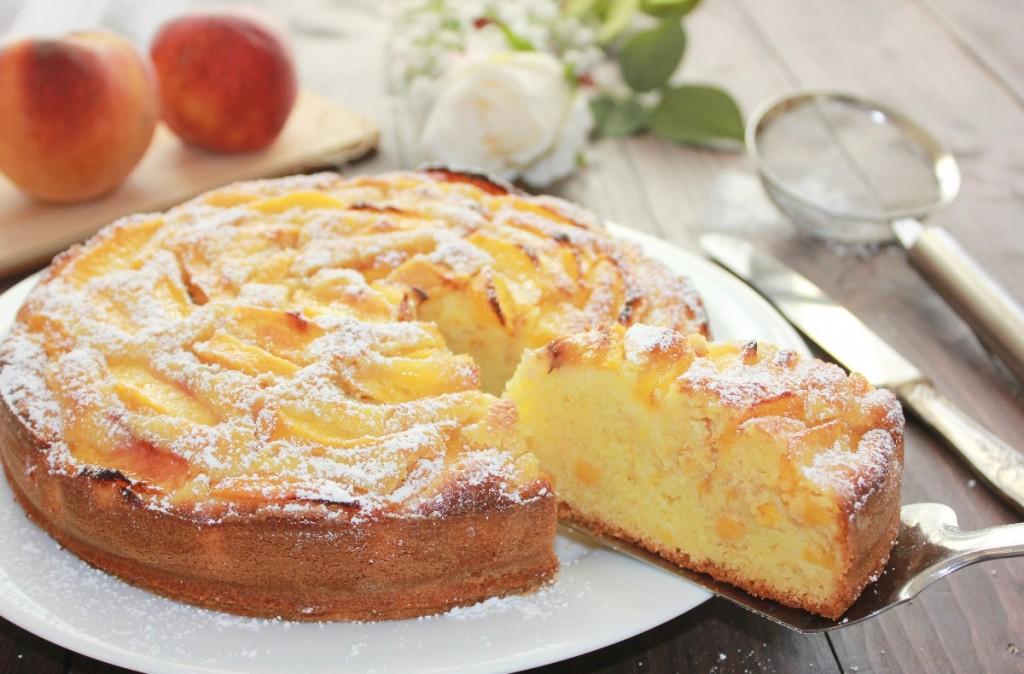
<point>542,604</point>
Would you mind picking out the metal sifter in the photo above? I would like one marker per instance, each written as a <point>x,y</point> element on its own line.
<point>848,169</point>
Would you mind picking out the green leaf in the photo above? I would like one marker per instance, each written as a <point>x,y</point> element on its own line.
<point>664,9</point>
<point>569,72</point>
<point>620,14</point>
<point>615,118</point>
<point>516,41</point>
<point>578,7</point>
<point>600,109</point>
<point>649,57</point>
<point>696,113</point>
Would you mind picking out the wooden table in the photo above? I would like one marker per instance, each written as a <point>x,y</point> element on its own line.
<point>957,65</point>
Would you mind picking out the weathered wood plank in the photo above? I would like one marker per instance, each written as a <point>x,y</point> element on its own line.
<point>80,664</point>
<point>991,36</point>
<point>22,652</point>
<point>691,190</point>
<point>611,188</point>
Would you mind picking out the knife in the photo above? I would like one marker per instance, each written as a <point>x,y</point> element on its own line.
<point>857,347</point>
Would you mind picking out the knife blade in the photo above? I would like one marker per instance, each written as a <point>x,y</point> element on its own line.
<point>856,346</point>
<point>810,309</point>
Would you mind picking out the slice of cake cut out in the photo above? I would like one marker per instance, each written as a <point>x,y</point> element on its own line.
<point>773,471</point>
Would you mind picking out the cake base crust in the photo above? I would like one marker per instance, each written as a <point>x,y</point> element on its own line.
<point>286,566</point>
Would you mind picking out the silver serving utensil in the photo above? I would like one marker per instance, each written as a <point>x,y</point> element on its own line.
<point>929,547</point>
<point>856,346</point>
<point>847,168</point>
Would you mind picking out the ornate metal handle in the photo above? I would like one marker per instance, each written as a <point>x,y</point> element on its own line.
<point>991,543</point>
<point>996,319</point>
<point>945,547</point>
<point>999,464</point>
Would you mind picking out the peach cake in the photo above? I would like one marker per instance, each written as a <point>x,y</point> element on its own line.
<point>281,399</point>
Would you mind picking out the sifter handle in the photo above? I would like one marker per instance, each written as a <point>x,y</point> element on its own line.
<point>996,319</point>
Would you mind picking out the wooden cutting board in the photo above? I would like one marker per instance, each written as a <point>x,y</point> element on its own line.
<point>318,133</point>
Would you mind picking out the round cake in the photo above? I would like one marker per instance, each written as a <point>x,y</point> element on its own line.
<point>278,399</point>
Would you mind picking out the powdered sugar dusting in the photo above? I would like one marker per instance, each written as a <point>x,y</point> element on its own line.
<point>854,474</point>
<point>755,380</point>
<point>260,335</point>
<point>642,340</point>
<point>22,384</point>
<point>736,385</point>
<point>460,256</point>
<point>198,279</point>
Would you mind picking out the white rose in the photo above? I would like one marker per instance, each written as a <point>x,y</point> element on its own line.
<point>562,158</point>
<point>513,114</point>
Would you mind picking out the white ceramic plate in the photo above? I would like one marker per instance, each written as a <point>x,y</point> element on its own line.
<point>599,597</point>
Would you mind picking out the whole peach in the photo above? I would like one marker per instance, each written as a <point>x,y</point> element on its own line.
<point>76,114</point>
<point>227,80</point>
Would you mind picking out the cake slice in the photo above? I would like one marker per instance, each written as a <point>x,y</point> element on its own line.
<point>772,471</point>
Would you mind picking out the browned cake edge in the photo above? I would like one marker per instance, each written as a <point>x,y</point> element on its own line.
<point>288,566</point>
<point>868,533</point>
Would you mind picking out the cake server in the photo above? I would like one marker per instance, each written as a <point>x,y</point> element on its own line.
<point>929,547</point>
<point>856,346</point>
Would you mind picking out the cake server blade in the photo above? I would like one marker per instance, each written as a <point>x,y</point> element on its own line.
<point>856,346</point>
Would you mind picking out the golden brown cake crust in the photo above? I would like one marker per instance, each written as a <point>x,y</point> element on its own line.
<point>289,567</point>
